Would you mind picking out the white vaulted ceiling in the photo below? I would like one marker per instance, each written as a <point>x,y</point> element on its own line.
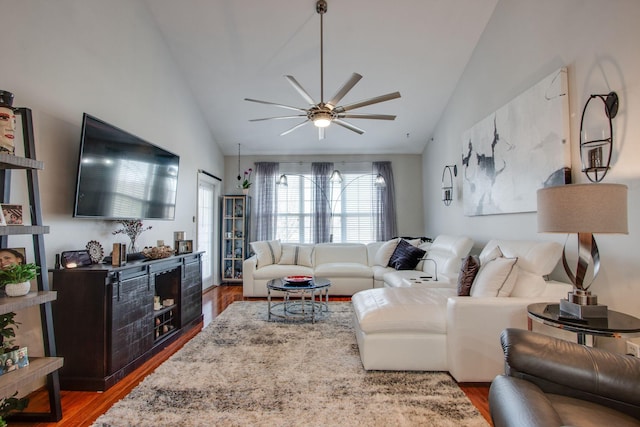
<point>229,50</point>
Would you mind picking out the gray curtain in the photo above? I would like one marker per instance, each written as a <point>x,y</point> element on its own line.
<point>320,173</point>
<point>385,204</point>
<point>266,207</point>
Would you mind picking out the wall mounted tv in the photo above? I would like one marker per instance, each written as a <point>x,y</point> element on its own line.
<point>121,176</point>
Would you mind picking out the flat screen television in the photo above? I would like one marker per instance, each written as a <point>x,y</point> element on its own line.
<point>121,176</point>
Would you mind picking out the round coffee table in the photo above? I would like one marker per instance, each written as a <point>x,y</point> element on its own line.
<point>300,308</point>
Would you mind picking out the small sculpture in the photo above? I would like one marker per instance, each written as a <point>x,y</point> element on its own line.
<point>7,122</point>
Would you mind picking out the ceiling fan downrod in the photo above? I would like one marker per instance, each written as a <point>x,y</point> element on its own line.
<point>321,8</point>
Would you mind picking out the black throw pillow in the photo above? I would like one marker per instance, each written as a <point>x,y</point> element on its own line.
<point>468,272</point>
<point>406,256</point>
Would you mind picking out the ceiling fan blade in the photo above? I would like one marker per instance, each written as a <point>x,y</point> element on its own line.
<point>355,78</point>
<point>367,116</point>
<point>321,134</point>
<point>376,100</point>
<point>297,86</point>
<point>278,118</point>
<point>294,128</point>
<point>348,126</point>
<point>277,105</point>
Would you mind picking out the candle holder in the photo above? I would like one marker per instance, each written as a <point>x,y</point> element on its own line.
<point>596,145</point>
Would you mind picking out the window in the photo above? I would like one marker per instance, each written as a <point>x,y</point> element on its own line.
<point>352,205</point>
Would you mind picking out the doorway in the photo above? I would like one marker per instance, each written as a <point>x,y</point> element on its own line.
<point>208,230</point>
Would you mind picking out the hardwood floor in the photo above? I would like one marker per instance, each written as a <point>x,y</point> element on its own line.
<point>81,408</point>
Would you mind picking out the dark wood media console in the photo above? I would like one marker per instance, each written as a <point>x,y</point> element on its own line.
<point>106,325</point>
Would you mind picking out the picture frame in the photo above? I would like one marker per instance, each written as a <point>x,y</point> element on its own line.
<point>12,214</point>
<point>9,256</point>
<point>2,220</point>
<point>73,259</point>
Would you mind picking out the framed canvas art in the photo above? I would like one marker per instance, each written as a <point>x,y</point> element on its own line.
<point>521,147</point>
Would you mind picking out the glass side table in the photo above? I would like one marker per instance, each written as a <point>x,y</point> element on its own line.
<point>616,324</point>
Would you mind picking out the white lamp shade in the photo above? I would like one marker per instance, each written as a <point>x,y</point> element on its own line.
<point>583,208</point>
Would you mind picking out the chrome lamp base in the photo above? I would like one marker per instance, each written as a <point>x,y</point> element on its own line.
<point>583,304</point>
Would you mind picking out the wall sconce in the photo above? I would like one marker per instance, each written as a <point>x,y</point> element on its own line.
<point>596,146</point>
<point>447,183</point>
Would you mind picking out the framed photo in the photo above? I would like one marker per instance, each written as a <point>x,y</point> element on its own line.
<point>2,221</point>
<point>12,214</point>
<point>11,256</point>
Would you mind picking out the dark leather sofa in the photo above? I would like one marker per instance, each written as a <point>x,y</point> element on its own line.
<point>552,382</point>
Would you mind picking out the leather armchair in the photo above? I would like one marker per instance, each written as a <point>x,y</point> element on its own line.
<point>553,382</point>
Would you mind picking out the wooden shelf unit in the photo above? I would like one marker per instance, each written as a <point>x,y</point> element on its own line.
<point>236,214</point>
<point>49,365</point>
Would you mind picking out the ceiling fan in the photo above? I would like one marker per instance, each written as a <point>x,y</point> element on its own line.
<point>322,113</point>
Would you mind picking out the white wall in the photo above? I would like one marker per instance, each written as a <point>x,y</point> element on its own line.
<point>524,42</point>
<point>406,174</point>
<point>65,57</point>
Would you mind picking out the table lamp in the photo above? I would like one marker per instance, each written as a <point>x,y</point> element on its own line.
<point>584,209</point>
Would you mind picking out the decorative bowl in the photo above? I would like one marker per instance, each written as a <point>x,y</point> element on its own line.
<point>298,280</point>
<point>157,252</point>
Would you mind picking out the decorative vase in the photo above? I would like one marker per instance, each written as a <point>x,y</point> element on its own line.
<point>17,289</point>
<point>132,248</point>
<point>245,191</point>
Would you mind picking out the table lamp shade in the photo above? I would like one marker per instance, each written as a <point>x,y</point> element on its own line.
<point>583,208</point>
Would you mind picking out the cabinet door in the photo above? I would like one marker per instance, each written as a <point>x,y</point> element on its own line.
<point>191,308</point>
<point>132,320</point>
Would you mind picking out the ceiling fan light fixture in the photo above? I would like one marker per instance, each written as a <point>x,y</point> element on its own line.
<point>322,119</point>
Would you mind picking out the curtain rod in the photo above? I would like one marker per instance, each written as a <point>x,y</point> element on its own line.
<point>340,162</point>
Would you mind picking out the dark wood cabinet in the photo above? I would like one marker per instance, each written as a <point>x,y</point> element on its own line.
<point>106,325</point>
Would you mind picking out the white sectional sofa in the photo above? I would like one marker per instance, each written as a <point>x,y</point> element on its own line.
<point>350,267</point>
<point>427,326</point>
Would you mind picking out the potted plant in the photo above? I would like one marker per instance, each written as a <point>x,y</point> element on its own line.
<point>245,185</point>
<point>7,333</point>
<point>11,404</point>
<point>16,278</point>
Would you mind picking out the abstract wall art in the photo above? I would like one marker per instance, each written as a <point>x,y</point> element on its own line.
<point>521,147</point>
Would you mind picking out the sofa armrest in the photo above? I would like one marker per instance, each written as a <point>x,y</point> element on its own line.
<point>516,402</point>
<point>474,326</point>
<point>249,266</point>
<point>563,367</point>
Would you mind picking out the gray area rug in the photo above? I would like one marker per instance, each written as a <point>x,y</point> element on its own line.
<point>244,371</point>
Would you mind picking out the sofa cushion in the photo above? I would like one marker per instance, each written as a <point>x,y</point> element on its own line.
<point>278,271</point>
<point>405,256</point>
<point>468,272</point>
<point>539,257</point>
<point>267,252</point>
<point>490,254</point>
<point>325,253</point>
<point>384,253</point>
<point>496,278</point>
<point>296,255</point>
<point>528,284</point>
<point>343,269</point>
<point>402,309</point>
<point>448,252</point>
<point>379,271</point>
